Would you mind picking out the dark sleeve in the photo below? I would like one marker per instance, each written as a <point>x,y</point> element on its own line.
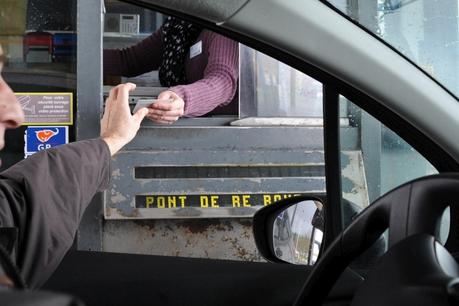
<point>45,196</point>
<point>141,58</point>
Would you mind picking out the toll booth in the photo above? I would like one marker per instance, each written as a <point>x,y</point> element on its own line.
<point>191,188</point>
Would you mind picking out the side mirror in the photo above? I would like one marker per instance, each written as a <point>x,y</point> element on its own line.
<point>290,230</point>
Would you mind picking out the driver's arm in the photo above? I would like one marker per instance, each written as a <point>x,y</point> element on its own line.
<point>44,196</point>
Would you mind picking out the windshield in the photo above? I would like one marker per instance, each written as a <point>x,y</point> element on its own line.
<point>425,31</point>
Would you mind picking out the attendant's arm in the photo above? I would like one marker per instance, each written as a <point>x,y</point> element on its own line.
<point>219,83</point>
<point>216,88</point>
<point>143,57</point>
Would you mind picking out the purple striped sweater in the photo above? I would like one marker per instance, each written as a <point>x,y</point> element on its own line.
<point>212,74</point>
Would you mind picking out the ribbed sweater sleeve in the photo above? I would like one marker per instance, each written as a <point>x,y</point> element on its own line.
<point>219,83</point>
<point>136,60</point>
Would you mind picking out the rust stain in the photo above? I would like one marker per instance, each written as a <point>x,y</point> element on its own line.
<point>246,234</point>
<point>247,223</point>
<point>108,212</point>
<point>198,226</point>
<point>132,214</point>
<point>229,225</point>
<point>240,251</point>
<point>150,224</point>
<point>207,238</point>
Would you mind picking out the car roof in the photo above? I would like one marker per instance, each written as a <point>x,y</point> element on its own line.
<point>311,31</point>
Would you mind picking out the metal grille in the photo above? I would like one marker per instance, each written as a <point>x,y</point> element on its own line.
<point>228,172</point>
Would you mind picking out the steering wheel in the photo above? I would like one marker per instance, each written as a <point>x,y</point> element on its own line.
<point>416,270</point>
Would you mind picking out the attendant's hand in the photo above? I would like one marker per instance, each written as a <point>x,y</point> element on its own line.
<point>118,126</point>
<point>167,111</point>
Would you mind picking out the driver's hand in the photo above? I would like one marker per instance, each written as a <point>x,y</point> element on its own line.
<point>118,126</point>
<point>167,111</point>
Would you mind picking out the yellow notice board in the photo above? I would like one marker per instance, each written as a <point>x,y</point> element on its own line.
<point>209,200</point>
<point>46,108</point>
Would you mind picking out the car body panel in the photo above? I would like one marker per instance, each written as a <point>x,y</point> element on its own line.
<point>213,11</point>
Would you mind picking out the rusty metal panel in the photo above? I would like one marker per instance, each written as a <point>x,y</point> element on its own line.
<point>202,238</point>
<point>217,238</point>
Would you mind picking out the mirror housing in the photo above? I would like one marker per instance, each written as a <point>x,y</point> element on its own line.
<point>290,230</point>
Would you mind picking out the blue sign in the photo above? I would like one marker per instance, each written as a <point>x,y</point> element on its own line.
<point>39,138</point>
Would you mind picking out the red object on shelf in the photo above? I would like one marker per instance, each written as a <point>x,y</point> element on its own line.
<point>38,40</point>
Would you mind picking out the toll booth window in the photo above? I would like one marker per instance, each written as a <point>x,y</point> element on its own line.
<point>191,188</point>
<point>140,46</point>
<point>39,40</point>
<point>172,59</point>
<point>126,25</point>
<point>270,88</point>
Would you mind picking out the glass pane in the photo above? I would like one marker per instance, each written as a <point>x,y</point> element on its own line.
<point>425,31</point>
<point>39,40</point>
<point>374,158</point>
<point>270,88</point>
<point>39,35</point>
<point>126,25</point>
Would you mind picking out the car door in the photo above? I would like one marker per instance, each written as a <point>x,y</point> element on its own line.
<point>358,81</point>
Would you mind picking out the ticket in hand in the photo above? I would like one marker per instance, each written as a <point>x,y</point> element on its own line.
<point>143,103</point>
<point>146,103</point>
